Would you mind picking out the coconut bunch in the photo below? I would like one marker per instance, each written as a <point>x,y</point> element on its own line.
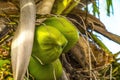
<point>55,36</point>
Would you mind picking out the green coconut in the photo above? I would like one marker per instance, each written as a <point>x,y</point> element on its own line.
<point>66,28</point>
<point>51,71</point>
<point>48,44</point>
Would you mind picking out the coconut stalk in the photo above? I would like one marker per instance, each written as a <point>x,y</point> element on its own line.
<point>22,43</point>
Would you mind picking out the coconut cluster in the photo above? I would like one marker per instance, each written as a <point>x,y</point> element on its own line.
<point>55,36</point>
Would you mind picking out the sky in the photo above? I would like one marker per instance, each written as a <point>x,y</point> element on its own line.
<point>112,24</point>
